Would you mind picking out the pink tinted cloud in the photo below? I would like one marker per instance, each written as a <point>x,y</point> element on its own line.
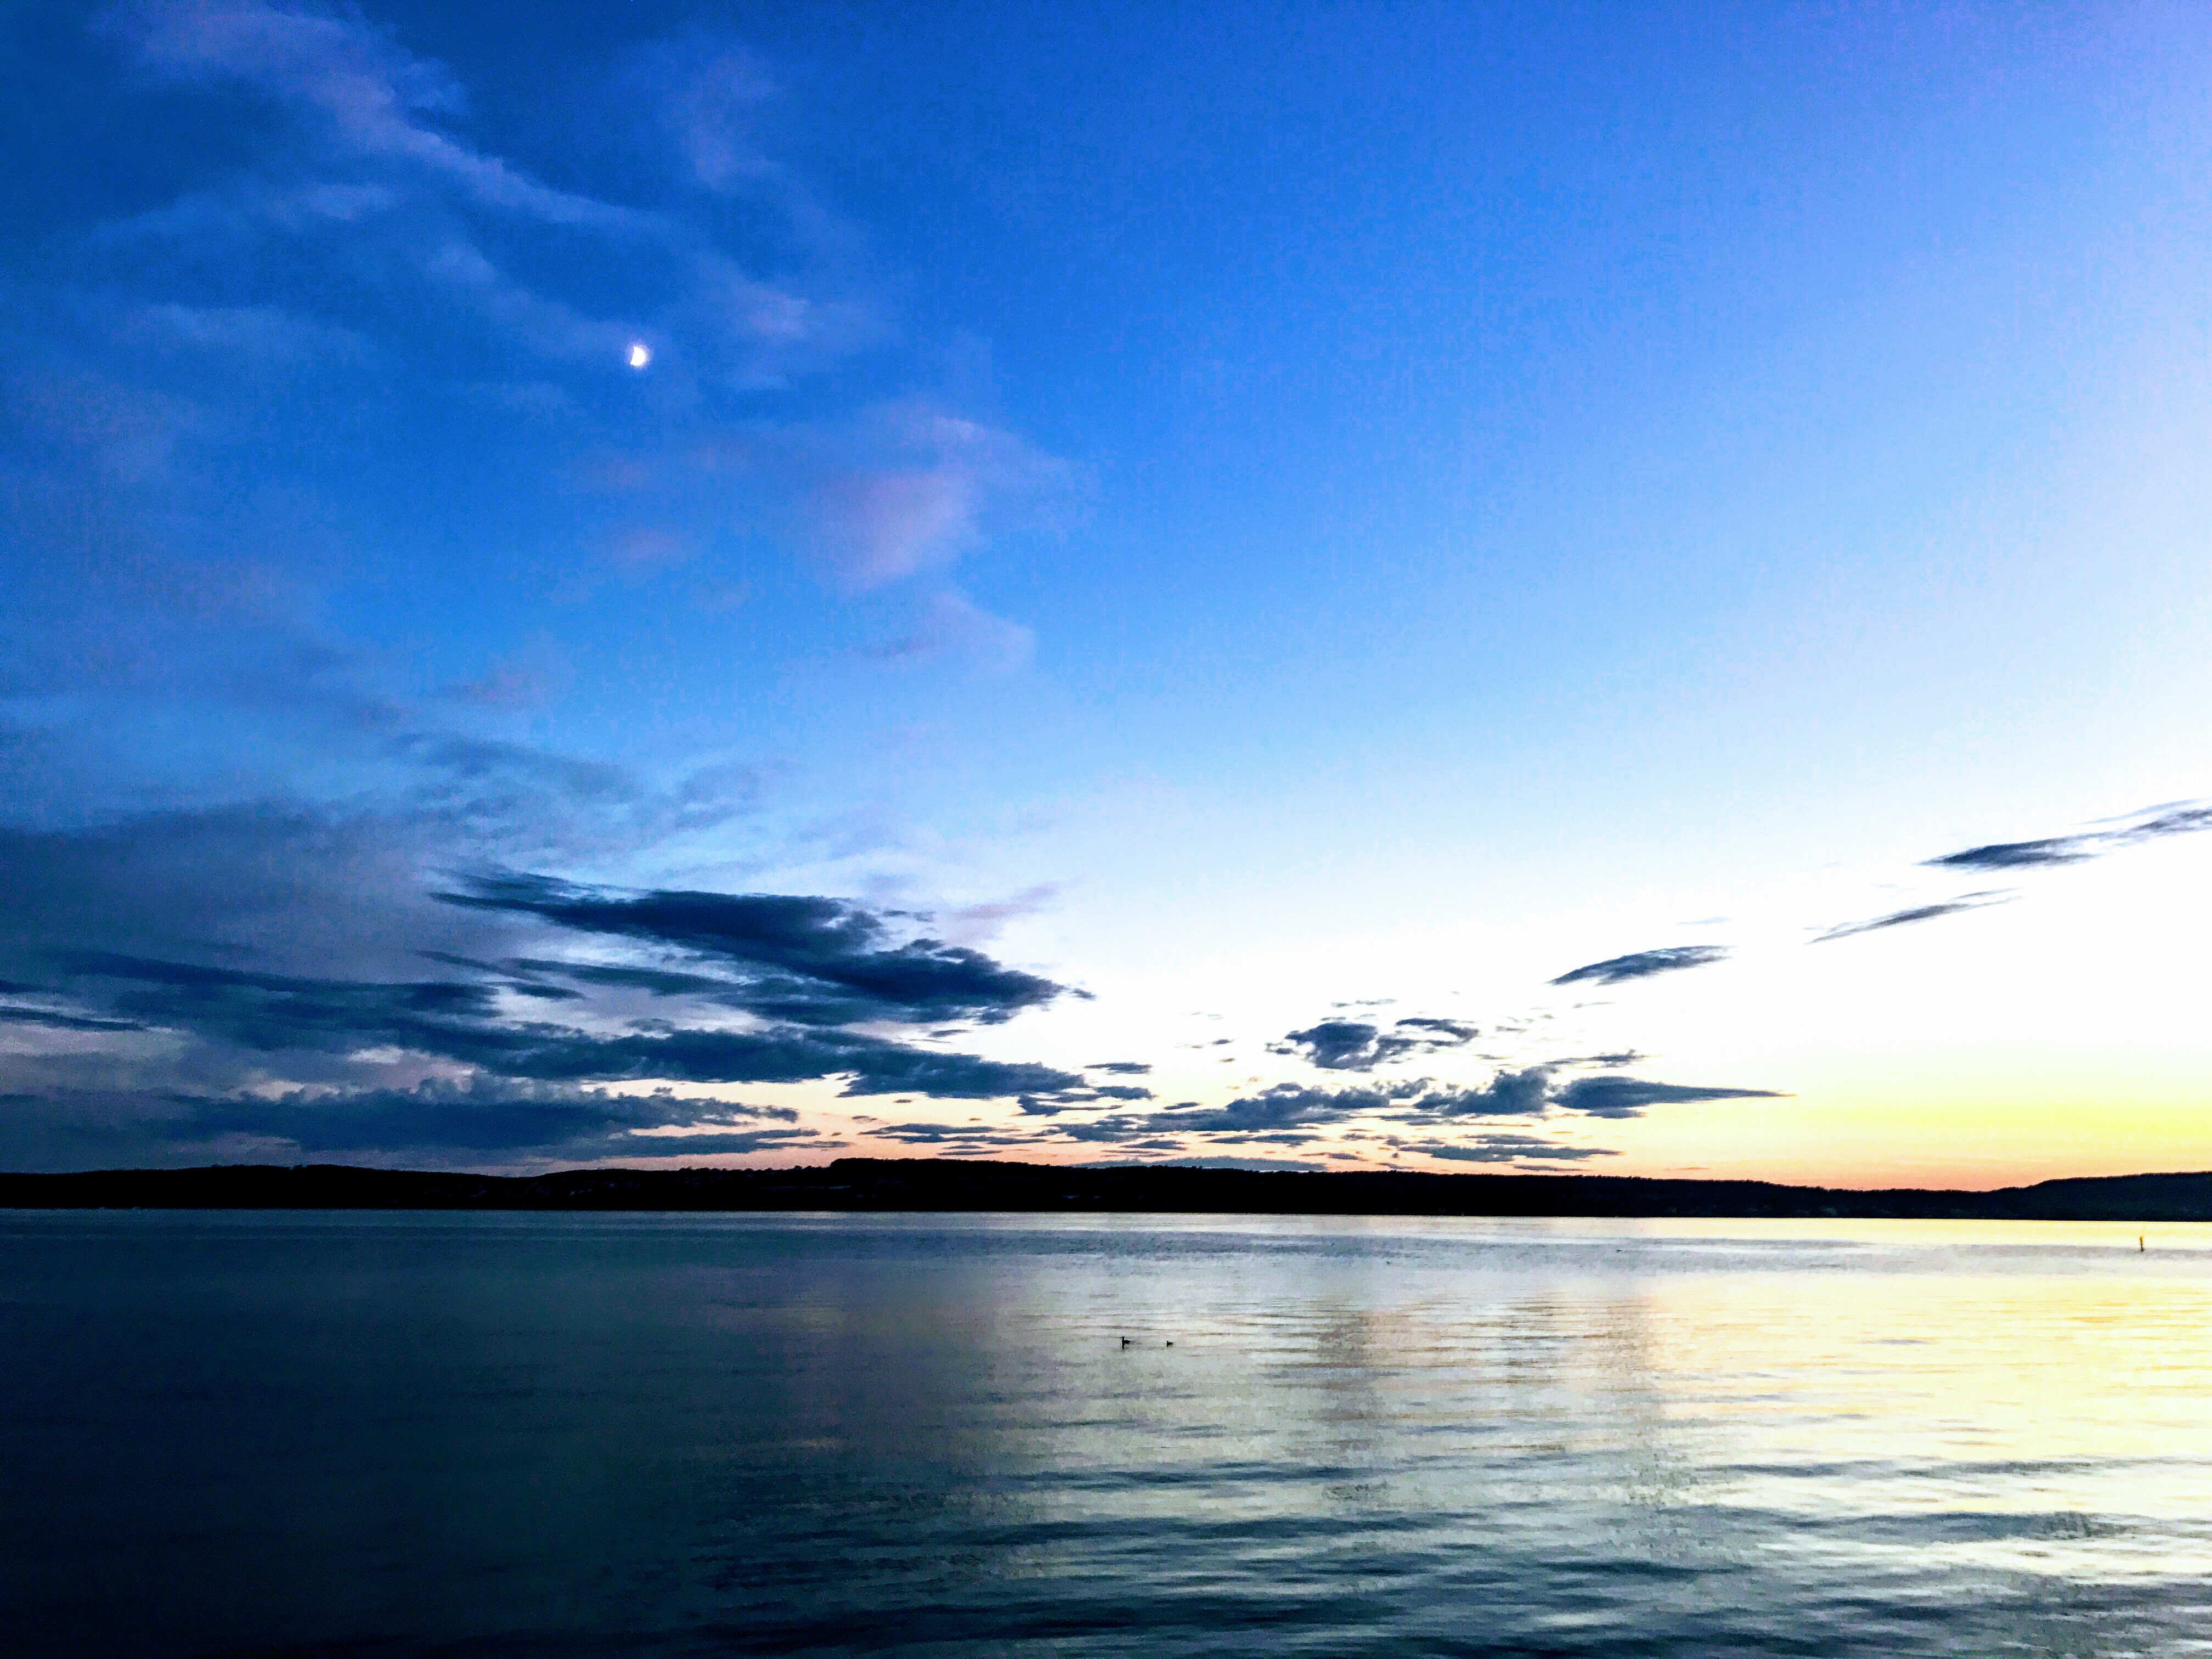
<point>875,527</point>
<point>924,485</point>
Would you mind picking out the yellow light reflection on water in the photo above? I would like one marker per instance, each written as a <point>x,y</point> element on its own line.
<point>1887,1399</point>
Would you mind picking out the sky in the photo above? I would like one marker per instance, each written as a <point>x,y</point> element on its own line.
<point>1614,588</point>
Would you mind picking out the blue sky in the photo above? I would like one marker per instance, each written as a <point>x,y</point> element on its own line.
<point>924,549</point>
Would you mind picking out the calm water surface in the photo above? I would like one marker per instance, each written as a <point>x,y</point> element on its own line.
<point>584,1436</point>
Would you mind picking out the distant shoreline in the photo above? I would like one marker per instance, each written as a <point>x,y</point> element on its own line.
<point>947,1184</point>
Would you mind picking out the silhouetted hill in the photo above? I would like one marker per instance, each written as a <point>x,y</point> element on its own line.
<point>866,1184</point>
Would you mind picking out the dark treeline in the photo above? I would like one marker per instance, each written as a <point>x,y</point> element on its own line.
<point>866,1183</point>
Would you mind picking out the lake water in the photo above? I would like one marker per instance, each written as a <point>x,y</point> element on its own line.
<point>479,1435</point>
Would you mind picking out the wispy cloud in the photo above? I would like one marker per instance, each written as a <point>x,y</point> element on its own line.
<point>1503,1149</point>
<point>2181,819</point>
<point>366,94</point>
<point>954,626</point>
<point>911,486</point>
<point>1906,918</point>
<point>1628,1096</point>
<point>2020,855</point>
<point>1642,964</point>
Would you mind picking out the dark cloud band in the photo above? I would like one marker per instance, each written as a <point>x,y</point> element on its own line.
<point>808,960</point>
<point>1642,964</point>
<point>2182,819</point>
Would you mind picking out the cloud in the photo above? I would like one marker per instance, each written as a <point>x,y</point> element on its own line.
<point>1627,1097</point>
<point>1642,964</point>
<point>1090,1095</point>
<point>199,405</point>
<point>1296,1115</point>
<point>1292,1105</point>
<point>876,526</point>
<point>659,982</point>
<point>360,264</point>
<point>61,1022</point>
<point>708,92</point>
<point>364,94</point>
<point>1118,1067</point>
<point>954,626</point>
<point>898,490</point>
<point>1146,1132</point>
<point>2020,855</point>
<point>971,924</point>
<point>370,187</point>
<point>1286,1105</point>
<point>1349,1045</point>
<point>527,681</point>
<point>818,961</point>
<point>1446,1033</point>
<point>1503,1149</point>
<point>1221,1161</point>
<point>2181,818</point>
<point>1530,1092</point>
<point>973,1135</point>
<point>493,1116</point>
<point>294,886</point>
<point>908,487</point>
<point>462,1021</point>
<point>365,183</point>
<point>251,338</point>
<point>1917,913</point>
<point>1524,1092</point>
<point>2186,821</point>
<point>511,800</point>
<point>462,1124</point>
<point>1334,1045</point>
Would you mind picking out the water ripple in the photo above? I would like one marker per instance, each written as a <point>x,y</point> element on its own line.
<point>675,1436</point>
